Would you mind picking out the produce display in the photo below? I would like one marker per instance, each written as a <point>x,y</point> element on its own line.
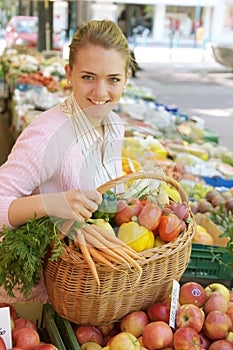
<point>203,320</point>
<point>145,216</point>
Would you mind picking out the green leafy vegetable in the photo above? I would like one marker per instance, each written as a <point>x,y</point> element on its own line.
<point>22,252</point>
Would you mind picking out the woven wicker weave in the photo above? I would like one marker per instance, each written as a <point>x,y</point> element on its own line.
<point>75,295</point>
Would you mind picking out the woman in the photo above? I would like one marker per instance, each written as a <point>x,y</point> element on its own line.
<point>68,151</point>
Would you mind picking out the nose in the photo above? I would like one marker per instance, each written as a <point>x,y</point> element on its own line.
<point>101,88</point>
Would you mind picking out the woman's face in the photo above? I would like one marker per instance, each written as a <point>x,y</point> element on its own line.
<point>98,79</point>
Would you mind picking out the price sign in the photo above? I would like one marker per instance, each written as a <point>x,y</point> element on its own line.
<point>174,303</point>
<point>5,326</point>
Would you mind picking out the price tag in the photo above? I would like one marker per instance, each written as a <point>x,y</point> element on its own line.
<point>174,303</point>
<point>5,326</point>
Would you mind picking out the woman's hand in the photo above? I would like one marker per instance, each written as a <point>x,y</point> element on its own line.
<point>77,205</point>
<point>74,204</point>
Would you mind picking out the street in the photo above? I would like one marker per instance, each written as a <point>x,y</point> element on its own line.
<point>190,79</point>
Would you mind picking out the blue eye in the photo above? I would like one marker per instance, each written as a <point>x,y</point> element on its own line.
<point>87,77</point>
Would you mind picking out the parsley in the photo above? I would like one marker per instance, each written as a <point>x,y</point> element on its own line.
<point>22,253</point>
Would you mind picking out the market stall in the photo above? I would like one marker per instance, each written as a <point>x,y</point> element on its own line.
<point>175,173</point>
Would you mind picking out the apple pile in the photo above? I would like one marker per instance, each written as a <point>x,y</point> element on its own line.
<point>204,320</point>
<point>25,334</point>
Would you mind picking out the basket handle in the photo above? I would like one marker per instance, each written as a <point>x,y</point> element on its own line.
<point>144,175</point>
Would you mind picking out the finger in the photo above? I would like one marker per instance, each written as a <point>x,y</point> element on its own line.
<point>94,196</point>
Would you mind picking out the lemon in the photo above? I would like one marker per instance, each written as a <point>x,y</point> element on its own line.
<point>137,237</point>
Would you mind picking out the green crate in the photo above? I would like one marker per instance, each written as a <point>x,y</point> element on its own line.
<point>67,333</point>
<point>210,263</point>
<point>48,323</point>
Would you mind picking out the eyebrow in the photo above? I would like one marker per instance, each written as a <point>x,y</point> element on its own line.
<point>109,75</point>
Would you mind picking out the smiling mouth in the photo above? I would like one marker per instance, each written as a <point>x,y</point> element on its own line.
<point>98,103</point>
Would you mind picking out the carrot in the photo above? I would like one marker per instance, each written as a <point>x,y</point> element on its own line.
<point>121,253</point>
<point>108,250</point>
<point>114,239</point>
<point>97,254</point>
<point>87,256</point>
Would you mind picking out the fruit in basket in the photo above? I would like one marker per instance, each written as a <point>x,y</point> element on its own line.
<point>192,293</point>
<point>190,315</point>
<point>221,345</point>
<point>157,335</point>
<point>150,215</point>
<point>215,301</point>
<point>124,341</point>
<point>205,342</point>
<point>186,338</point>
<point>217,325</point>
<point>23,322</point>
<point>127,209</point>
<point>2,344</point>
<point>87,333</point>
<point>169,227</point>
<point>137,237</point>
<point>181,210</point>
<point>134,322</point>
<point>106,329</point>
<point>218,287</point>
<point>91,346</point>
<point>26,338</point>
<point>159,311</point>
<point>102,223</point>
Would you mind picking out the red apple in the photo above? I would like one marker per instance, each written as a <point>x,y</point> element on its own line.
<point>205,342</point>
<point>124,341</point>
<point>13,312</point>
<point>157,335</point>
<point>218,287</point>
<point>190,315</point>
<point>215,301</point>
<point>44,346</point>
<point>106,329</point>
<point>27,338</point>
<point>217,325</point>
<point>159,311</point>
<point>192,293</point>
<point>23,322</point>
<point>87,333</point>
<point>186,338</point>
<point>230,313</point>
<point>126,209</point>
<point>134,322</point>
<point>2,344</point>
<point>221,345</point>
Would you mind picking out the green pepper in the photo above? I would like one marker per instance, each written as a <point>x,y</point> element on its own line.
<point>108,207</point>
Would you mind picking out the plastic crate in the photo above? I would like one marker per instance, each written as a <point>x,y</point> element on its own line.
<point>67,333</point>
<point>49,326</point>
<point>208,262</point>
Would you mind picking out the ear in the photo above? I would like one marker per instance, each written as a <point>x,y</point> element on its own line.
<point>127,75</point>
<point>68,72</point>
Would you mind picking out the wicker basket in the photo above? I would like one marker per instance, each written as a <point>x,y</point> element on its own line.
<point>74,294</point>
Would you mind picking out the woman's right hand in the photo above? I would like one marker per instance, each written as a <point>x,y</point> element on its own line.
<point>76,205</point>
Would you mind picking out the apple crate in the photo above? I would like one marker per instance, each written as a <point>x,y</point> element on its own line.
<point>44,317</point>
<point>210,263</point>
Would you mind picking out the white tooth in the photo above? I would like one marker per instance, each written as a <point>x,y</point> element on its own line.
<point>99,102</point>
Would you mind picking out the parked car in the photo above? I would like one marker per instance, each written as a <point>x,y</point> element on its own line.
<point>23,30</point>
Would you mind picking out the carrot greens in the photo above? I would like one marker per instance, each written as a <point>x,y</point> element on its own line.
<point>22,252</point>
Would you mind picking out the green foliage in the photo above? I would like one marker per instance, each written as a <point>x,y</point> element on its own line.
<point>22,252</point>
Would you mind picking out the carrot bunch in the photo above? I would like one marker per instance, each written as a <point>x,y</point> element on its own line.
<point>97,245</point>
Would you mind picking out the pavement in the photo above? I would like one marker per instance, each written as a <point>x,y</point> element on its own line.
<point>191,79</point>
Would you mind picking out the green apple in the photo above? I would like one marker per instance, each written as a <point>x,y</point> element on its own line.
<point>218,287</point>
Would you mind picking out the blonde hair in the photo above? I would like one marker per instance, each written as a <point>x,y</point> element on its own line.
<point>104,33</point>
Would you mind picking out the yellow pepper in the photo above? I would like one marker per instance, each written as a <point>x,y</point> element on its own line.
<point>137,237</point>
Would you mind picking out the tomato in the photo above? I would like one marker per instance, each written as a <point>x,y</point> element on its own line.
<point>181,210</point>
<point>150,215</point>
<point>169,227</point>
<point>127,209</point>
